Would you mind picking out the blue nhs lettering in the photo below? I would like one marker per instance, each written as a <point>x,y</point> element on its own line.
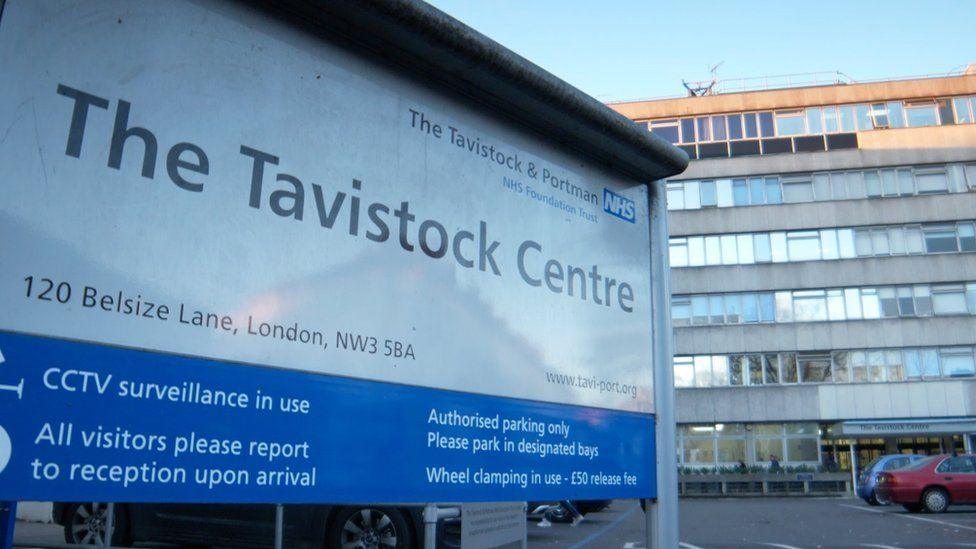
<point>619,206</point>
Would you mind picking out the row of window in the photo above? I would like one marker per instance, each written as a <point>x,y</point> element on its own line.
<point>853,366</point>
<point>823,244</point>
<point>816,120</point>
<point>837,185</point>
<point>732,443</point>
<point>919,300</point>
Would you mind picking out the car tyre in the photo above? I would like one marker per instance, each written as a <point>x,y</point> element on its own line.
<point>872,499</point>
<point>84,524</point>
<point>369,527</point>
<point>935,500</point>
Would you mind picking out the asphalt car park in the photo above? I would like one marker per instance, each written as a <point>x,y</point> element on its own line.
<point>784,523</point>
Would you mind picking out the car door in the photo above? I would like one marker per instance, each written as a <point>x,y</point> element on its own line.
<point>957,474</point>
<point>967,481</point>
<point>233,525</point>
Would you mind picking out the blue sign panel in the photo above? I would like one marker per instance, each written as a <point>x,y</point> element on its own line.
<point>80,421</point>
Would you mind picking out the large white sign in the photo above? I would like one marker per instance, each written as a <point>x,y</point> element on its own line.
<point>197,179</point>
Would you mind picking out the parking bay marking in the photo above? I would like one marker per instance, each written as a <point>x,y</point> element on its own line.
<point>925,519</point>
<point>879,546</point>
<point>684,545</point>
<point>781,546</point>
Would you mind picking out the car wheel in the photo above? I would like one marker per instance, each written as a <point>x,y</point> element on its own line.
<point>557,513</point>
<point>369,528</point>
<point>913,507</point>
<point>935,500</point>
<point>84,524</point>
<point>872,499</point>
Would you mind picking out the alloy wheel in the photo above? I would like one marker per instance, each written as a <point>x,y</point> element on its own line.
<point>369,529</point>
<point>88,524</point>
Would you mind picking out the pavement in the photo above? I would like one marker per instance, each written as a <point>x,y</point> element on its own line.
<point>783,523</point>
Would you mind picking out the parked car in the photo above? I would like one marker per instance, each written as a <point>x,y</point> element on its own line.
<point>931,484</point>
<point>869,476</point>
<point>306,526</point>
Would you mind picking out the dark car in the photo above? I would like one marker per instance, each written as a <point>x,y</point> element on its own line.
<point>555,512</point>
<point>253,525</point>
<point>931,484</point>
<point>868,480</point>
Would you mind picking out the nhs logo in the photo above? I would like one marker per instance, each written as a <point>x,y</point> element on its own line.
<point>619,206</point>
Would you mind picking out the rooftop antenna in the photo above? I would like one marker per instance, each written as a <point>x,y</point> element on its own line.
<point>698,89</point>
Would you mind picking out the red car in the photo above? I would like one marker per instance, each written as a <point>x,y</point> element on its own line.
<point>931,484</point>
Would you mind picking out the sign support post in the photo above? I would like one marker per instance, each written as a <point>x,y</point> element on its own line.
<point>279,526</point>
<point>8,517</point>
<point>662,513</point>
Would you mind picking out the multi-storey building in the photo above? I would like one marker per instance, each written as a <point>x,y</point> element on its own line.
<point>823,271</point>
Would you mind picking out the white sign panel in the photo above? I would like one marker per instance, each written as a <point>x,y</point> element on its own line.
<point>176,180</point>
<point>489,525</point>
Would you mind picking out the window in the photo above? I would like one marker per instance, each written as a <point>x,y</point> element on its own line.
<point>814,120</point>
<point>879,115</point>
<point>680,310</point>
<point>896,114</point>
<point>678,252</point>
<point>733,308</point>
<point>703,371</point>
<point>921,113</point>
<point>746,250</point>
<point>687,130</point>
<point>729,255</point>
<point>790,123</point>
<point>696,251</point>
<point>699,310</point>
<point>814,368</point>
<point>698,450</point>
<point>773,193</point>
<point>751,125</point>
<point>704,129</point>
<point>784,307</point>
<point>740,192</point>
<point>967,237</point>
<point>708,195</point>
<point>777,241</point>
<point>940,238</point>
<point>724,190</point>
<point>889,304</point>
<point>684,371</point>
<point>755,370</point>
<point>666,129</point>
<point>750,308</point>
<point>931,181</point>
<point>676,196</point>
<point>863,113</point>
<point>957,361</point>
<point>756,193</point>
<point>692,195</point>
<point>949,299</point>
<point>957,464</point>
<point>763,253</point>
<point>713,250</point>
<point>859,369</point>
<point>847,118</point>
<point>923,300</point>
<point>766,124</point>
<point>767,307</point>
<point>716,309</point>
<point>930,364</point>
<point>828,244</point>
<point>797,191</point>
<point>803,245</point>
<point>736,374</point>
<point>766,447</point>
<point>718,128</point>
<point>840,367</point>
<point>831,122</point>
<point>788,368</point>
<point>906,302</point>
<point>771,369</point>
<point>835,305</point>
<point>809,306</point>
<point>961,107</point>
<point>735,126</point>
<point>802,449</point>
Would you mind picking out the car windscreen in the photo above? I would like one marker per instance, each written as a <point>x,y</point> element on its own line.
<point>871,465</point>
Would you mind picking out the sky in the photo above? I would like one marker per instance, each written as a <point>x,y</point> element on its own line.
<point>631,49</point>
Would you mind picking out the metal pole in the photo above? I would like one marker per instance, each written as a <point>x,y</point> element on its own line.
<point>279,525</point>
<point>853,467</point>
<point>430,526</point>
<point>662,515</point>
<point>8,516</point>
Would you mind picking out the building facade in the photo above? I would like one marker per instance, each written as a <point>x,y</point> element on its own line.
<point>823,271</point>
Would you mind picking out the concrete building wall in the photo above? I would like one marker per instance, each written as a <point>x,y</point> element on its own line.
<point>876,148</point>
